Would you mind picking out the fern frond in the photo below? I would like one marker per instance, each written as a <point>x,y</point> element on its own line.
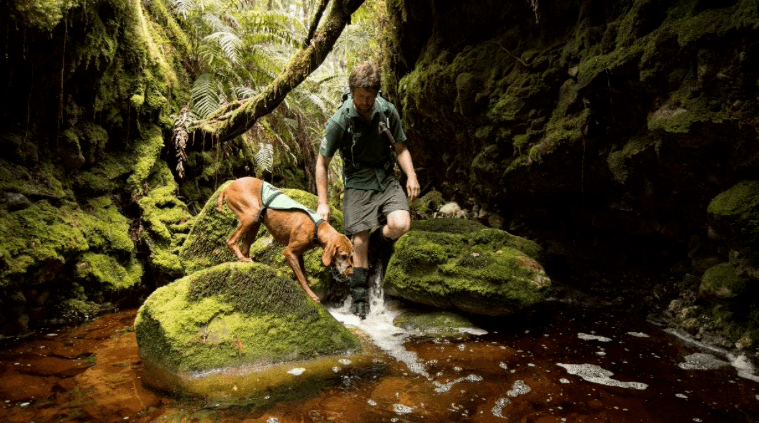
<point>205,98</point>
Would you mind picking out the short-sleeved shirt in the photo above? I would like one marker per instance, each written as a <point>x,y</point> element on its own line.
<point>368,162</point>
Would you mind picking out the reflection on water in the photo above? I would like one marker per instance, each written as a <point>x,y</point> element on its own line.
<point>560,363</point>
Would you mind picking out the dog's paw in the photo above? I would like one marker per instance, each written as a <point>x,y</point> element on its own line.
<point>246,260</point>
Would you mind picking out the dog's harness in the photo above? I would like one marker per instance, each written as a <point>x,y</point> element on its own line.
<point>273,198</point>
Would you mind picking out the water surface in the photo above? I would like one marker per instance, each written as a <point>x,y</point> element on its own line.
<point>560,363</point>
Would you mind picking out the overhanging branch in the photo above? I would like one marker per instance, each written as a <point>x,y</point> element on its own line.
<point>237,117</point>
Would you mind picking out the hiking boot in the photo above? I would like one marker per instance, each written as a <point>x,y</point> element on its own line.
<point>360,309</point>
<point>359,287</point>
<point>380,247</point>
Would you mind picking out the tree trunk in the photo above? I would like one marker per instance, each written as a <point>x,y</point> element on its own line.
<point>237,117</point>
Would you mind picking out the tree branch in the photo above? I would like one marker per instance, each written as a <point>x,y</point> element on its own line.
<point>237,117</point>
<point>315,22</point>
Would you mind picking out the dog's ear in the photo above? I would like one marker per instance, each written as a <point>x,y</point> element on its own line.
<point>329,253</point>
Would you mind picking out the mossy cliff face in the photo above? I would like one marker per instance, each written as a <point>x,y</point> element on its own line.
<point>459,264</point>
<point>244,316</point>
<point>603,130</point>
<point>206,245</point>
<point>88,206</point>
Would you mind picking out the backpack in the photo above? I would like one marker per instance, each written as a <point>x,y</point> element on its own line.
<point>384,126</point>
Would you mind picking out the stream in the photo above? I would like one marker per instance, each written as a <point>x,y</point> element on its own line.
<point>559,363</point>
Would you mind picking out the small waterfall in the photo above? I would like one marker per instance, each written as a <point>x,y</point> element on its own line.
<point>379,323</point>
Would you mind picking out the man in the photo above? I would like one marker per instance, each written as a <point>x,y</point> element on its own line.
<point>359,130</point>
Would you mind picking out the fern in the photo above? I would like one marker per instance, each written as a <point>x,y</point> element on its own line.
<point>265,158</point>
<point>205,98</point>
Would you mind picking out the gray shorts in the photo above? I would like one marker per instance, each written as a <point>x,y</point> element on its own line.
<point>365,209</point>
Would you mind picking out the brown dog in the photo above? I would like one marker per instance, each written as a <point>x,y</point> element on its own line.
<point>293,228</point>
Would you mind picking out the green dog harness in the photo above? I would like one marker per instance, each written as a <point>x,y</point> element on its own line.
<point>275,199</point>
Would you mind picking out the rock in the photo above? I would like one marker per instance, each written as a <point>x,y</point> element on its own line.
<point>234,320</point>
<point>460,264</point>
<point>732,216</point>
<point>721,283</point>
<point>451,209</point>
<point>14,201</point>
<point>438,324</point>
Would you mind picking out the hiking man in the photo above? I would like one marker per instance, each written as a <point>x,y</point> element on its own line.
<point>366,130</point>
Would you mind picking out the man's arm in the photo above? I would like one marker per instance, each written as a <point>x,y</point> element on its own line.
<point>322,170</point>
<point>407,165</point>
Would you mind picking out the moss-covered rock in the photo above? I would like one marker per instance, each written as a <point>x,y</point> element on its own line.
<point>436,324</point>
<point>721,283</point>
<point>456,263</point>
<point>235,315</point>
<point>734,216</point>
<point>205,245</point>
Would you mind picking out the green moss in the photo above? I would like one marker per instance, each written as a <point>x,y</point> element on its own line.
<point>721,282</point>
<point>434,324</point>
<point>734,215</point>
<point>40,238</point>
<point>428,203</point>
<point>39,181</point>
<point>108,271</point>
<point>107,230</point>
<point>622,162</point>
<point>43,15</point>
<point>455,263</point>
<point>236,314</point>
<point>147,152</point>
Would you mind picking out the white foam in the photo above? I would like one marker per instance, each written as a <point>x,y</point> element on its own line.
<point>519,388</point>
<point>587,337</point>
<point>702,361</point>
<point>296,371</point>
<point>401,409</point>
<point>499,405</point>
<point>596,374</point>
<point>638,334</point>
<point>445,387</point>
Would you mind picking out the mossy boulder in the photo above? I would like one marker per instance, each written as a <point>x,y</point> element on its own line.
<point>243,316</point>
<point>205,245</point>
<point>721,283</point>
<point>734,216</point>
<point>460,264</point>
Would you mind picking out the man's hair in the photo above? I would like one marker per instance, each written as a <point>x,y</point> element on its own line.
<point>365,75</point>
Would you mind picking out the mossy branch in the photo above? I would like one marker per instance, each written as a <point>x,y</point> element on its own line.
<point>237,117</point>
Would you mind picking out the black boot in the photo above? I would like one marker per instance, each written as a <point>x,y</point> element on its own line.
<point>360,292</point>
<point>380,248</point>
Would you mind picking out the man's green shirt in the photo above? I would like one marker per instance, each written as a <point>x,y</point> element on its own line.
<point>368,162</point>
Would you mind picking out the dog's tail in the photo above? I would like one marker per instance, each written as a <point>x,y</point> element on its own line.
<point>222,194</point>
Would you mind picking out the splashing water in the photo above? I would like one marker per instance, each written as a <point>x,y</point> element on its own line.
<point>379,325</point>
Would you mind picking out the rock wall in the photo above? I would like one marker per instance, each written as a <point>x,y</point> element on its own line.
<point>602,130</point>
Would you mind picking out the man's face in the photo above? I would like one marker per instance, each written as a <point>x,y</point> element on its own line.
<point>363,100</point>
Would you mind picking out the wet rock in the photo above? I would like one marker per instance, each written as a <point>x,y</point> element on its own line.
<point>720,282</point>
<point>461,264</point>
<point>13,201</point>
<point>236,317</point>
<point>732,215</point>
<point>60,367</point>
<point>436,324</point>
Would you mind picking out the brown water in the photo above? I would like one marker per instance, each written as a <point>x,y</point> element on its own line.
<point>518,372</point>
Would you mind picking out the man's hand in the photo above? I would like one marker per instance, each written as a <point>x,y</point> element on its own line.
<point>323,212</point>
<point>412,188</point>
